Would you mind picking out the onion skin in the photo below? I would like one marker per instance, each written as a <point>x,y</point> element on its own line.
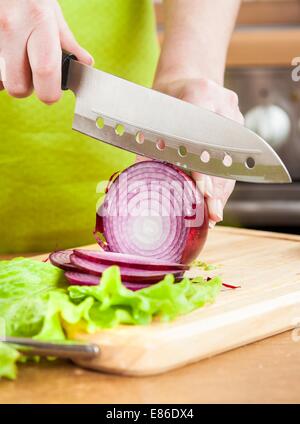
<point>195,237</point>
<point>196,240</point>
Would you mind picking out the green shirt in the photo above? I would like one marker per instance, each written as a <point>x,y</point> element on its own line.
<point>49,173</point>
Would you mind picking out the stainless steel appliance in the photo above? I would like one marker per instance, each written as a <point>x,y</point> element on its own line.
<point>270,101</point>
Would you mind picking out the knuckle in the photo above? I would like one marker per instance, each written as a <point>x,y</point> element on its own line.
<point>19,90</point>
<point>203,84</point>
<point>6,23</point>
<point>37,10</point>
<point>45,71</point>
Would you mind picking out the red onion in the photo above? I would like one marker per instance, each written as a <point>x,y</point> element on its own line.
<point>82,279</point>
<point>128,274</point>
<point>154,210</point>
<point>62,260</point>
<point>130,261</point>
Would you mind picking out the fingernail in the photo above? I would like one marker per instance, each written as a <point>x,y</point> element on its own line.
<point>89,57</point>
<point>208,186</point>
<point>211,224</point>
<point>92,60</point>
<point>215,207</point>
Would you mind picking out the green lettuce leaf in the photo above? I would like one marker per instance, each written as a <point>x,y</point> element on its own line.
<point>8,359</point>
<point>36,302</point>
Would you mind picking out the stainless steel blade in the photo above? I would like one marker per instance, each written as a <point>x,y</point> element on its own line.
<point>161,127</point>
<point>73,350</point>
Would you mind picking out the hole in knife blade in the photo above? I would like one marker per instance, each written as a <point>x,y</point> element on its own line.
<point>140,138</point>
<point>205,156</point>
<point>227,161</point>
<point>182,151</point>
<point>100,123</point>
<point>250,163</point>
<point>161,145</point>
<point>120,130</point>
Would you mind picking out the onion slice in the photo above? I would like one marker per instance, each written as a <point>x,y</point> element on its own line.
<point>127,274</point>
<point>83,279</point>
<point>62,260</point>
<point>130,261</point>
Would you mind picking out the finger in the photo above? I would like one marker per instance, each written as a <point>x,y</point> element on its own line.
<point>68,41</point>
<point>2,70</point>
<point>222,190</point>
<point>69,44</point>
<point>18,79</point>
<point>46,63</point>
<point>215,209</point>
<point>204,184</point>
<point>141,159</point>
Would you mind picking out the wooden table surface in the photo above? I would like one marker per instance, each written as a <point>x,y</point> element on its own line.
<point>264,372</point>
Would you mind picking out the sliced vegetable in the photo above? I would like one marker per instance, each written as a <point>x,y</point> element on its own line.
<point>61,259</point>
<point>83,279</point>
<point>230,286</point>
<point>128,274</point>
<point>154,210</point>
<point>130,261</point>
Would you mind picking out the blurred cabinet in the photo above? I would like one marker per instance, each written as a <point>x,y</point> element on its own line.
<point>267,33</point>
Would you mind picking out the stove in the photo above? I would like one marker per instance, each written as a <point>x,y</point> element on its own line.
<point>270,102</point>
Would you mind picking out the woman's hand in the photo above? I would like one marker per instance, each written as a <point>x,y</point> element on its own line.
<point>210,95</point>
<point>32,35</point>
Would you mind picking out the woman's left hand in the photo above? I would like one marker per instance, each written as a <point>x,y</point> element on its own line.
<point>210,95</point>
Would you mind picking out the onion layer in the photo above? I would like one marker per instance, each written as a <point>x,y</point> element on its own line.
<point>127,274</point>
<point>130,261</point>
<point>154,210</point>
<point>62,260</point>
<point>82,279</point>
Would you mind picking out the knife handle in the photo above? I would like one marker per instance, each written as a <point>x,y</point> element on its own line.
<point>65,64</point>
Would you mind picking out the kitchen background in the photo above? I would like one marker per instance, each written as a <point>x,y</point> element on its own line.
<point>259,69</point>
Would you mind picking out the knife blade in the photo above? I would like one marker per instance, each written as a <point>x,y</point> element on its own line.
<point>161,127</point>
<point>31,347</point>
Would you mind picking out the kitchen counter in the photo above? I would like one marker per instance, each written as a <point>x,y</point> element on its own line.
<point>264,372</point>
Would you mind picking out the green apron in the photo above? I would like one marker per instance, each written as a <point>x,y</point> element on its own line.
<point>49,173</point>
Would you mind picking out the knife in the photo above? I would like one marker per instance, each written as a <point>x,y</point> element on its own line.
<point>70,350</point>
<point>161,127</point>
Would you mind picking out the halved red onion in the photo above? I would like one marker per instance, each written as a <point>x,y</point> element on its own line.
<point>127,274</point>
<point>61,259</point>
<point>82,279</point>
<point>155,210</point>
<point>130,261</point>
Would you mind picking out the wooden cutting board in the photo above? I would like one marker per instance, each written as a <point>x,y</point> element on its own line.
<point>265,265</point>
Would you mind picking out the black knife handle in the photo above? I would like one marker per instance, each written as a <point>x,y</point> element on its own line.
<point>65,64</point>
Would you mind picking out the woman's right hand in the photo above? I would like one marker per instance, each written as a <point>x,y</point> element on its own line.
<point>32,36</point>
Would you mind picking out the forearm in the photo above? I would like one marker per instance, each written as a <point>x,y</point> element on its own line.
<point>197,35</point>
